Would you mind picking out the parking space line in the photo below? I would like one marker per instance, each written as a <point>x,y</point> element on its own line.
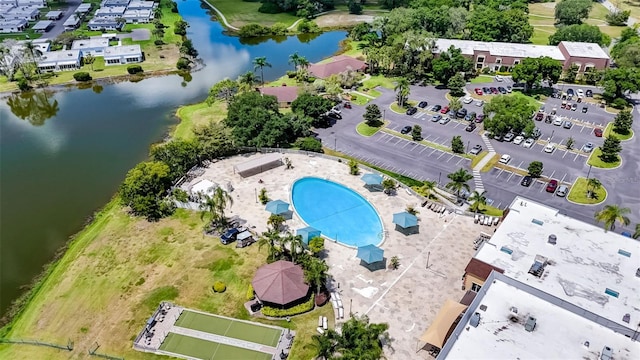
<point>565,153</point>
<point>565,175</point>
<point>405,145</point>
<point>441,155</point>
<point>452,156</point>
<point>459,161</point>
<point>431,153</point>
<point>435,140</point>
<point>500,173</point>
<point>389,139</point>
<point>423,149</point>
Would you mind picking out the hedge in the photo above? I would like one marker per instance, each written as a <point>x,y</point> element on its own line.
<point>134,69</point>
<point>82,76</point>
<point>250,294</point>
<point>298,309</point>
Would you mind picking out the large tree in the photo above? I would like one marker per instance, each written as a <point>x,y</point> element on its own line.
<point>611,214</point>
<point>372,115</point>
<point>402,90</point>
<point>478,201</point>
<point>179,155</point>
<point>459,180</point>
<point>532,70</point>
<point>619,80</point>
<point>580,33</point>
<point>622,122</point>
<point>144,190</point>
<point>488,23</point>
<point>222,90</point>
<point>359,339</point>
<point>535,168</point>
<point>509,113</point>
<point>610,149</point>
<point>569,12</point>
<point>449,63</point>
<point>312,106</point>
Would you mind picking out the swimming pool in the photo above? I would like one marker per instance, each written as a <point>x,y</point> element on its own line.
<point>339,212</point>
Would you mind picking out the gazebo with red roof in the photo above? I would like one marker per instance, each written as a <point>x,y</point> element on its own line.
<point>280,283</point>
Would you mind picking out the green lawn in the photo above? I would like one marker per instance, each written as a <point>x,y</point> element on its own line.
<point>379,80</point>
<point>609,131</point>
<point>366,130</point>
<point>578,193</point>
<point>402,109</point>
<point>195,115</point>
<point>482,79</point>
<point>594,160</point>
<point>359,99</point>
<point>491,211</point>
<point>476,159</point>
<point>239,13</point>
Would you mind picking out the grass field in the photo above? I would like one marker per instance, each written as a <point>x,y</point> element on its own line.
<point>239,13</point>
<point>203,349</point>
<point>366,130</point>
<point>578,193</point>
<point>197,114</point>
<point>229,328</point>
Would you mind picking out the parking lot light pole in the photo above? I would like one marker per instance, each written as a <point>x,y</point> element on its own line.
<point>468,143</point>
<point>439,176</point>
<point>384,113</point>
<point>589,172</point>
<point>335,143</point>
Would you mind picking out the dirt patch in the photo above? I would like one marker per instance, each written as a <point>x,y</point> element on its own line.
<point>343,19</point>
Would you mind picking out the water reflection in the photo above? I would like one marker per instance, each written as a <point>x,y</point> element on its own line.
<point>34,106</point>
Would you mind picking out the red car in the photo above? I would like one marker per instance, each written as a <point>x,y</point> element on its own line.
<point>478,91</point>
<point>539,116</point>
<point>479,118</point>
<point>597,132</point>
<point>552,185</point>
<point>444,110</point>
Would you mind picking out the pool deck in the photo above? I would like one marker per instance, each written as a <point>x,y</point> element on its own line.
<point>408,298</point>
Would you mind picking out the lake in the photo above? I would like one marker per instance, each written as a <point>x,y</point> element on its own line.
<point>63,154</point>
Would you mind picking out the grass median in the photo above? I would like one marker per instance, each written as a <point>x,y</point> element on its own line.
<point>622,137</point>
<point>578,193</point>
<point>366,130</point>
<point>594,160</point>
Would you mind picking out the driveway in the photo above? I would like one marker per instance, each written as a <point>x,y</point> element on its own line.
<point>58,28</point>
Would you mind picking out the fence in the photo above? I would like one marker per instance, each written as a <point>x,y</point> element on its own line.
<point>68,347</point>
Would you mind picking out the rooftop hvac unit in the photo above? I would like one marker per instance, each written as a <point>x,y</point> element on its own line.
<point>607,353</point>
<point>638,272</point>
<point>513,314</point>
<point>530,324</point>
<point>552,239</point>
<point>475,319</point>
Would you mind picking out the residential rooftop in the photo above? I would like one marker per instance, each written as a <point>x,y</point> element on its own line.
<point>90,43</point>
<point>577,262</point>
<point>122,50</point>
<point>504,307</point>
<point>586,50</point>
<point>60,57</point>
<point>501,49</point>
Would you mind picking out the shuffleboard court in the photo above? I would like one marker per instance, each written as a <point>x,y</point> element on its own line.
<point>225,327</point>
<point>208,350</point>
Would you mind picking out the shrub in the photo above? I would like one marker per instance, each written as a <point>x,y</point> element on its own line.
<point>307,26</point>
<point>219,287</point>
<point>353,167</point>
<point>174,7</point>
<point>291,74</point>
<point>183,64</point>
<point>23,85</point>
<point>309,144</point>
<point>269,8</point>
<point>82,76</point>
<point>263,197</point>
<point>159,42</point>
<point>295,310</point>
<point>134,69</point>
<point>619,103</point>
<point>250,294</point>
<point>354,8</point>
<point>252,30</point>
<point>279,29</point>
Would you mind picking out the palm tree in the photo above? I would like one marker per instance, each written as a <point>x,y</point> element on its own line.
<point>215,205</point>
<point>593,185</point>
<point>636,233</point>
<point>323,345</point>
<point>315,272</point>
<point>248,79</point>
<point>157,13</point>
<point>269,240</point>
<point>459,181</point>
<point>388,185</point>
<point>33,53</point>
<point>428,188</point>
<point>295,245</point>
<point>295,60</point>
<point>402,90</point>
<point>303,62</point>
<point>260,63</point>
<point>89,59</point>
<point>478,201</point>
<point>275,221</point>
<point>610,214</point>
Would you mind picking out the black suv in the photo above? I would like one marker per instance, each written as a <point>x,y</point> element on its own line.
<point>470,127</point>
<point>422,104</point>
<point>461,113</point>
<point>526,181</point>
<point>412,110</point>
<point>406,130</point>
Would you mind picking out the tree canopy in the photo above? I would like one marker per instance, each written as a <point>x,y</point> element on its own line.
<point>450,63</point>
<point>509,113</point>
<point>359,339</point>
<point>569,12</point>
<point>580,33</point>
<point>144,190</point>
<point>312,106</point>
<point>532,70</point>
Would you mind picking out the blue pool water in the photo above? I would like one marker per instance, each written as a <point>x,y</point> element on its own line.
<point>339,212</point>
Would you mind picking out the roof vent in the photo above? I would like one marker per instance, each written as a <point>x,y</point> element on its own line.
<point>607,353</point>
<point>586,344</point>
<point>530,324</point>
<point>552,239</point>
<point>537,222</point>
<point>513,314</point>
<point>475,319</point>
<point>624,253</point>
<point>638,272</point>
<point>626,318</point>
<point>538,266</point>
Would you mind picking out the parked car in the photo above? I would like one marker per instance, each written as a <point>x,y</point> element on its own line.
<point>597,132</point>
<point>498,137</point>
<point>518,140</point>
<point>502,90</point>
<point>536,133</point>
<point>436,108</point>
<point>585,109</point>
<point>467,100</point>
<point>480,103</point>
<point>580,92</point>
<point>476,149</point>
<point>548,119</point>
<point>574,107</point>
<point>499,78</point>
<point>470,127</point>
<point>479,118</point>
<point>486,90</point>
<point>336,110</point>
<point>478,91</point>
<point>528,143</point>
<point>505,159</point>
<point>589,93</point>
<point>470,117</point>
<point>422,104</point>
<point>570,92</point>
<point>509,137</point>
<point>445,120</point>
<point>526,181</point>
<point>229,236</point>
<point>436,117</point>
<point>567,124</point>
<point>539,116</point>
<point>549,148</point>
<point>557,121</point>
<point>494,90</point>
<point>509,89</point>
<point>444,110</point>
<point>562,191</point>
<point>461,113</point>
<point>406,130</point>
<point>412,110</point>
<point>552,185</point>
<point>588,147</point>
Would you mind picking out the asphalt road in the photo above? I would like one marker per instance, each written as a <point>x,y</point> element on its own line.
<point>58,28</point>
<point>388,150</point>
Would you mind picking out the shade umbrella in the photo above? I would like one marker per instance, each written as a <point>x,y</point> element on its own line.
<point>405,220</point>
<point>370,254</point>
<point>277,207</point>
<point>372,179</point>
<point>308,233</point>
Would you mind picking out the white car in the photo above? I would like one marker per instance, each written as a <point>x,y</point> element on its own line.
<point>528,143</point>
<point>549,148</point>
<point>557,121</point>
<point>499,78</point>
<point>505,159</point>
<point>445,120</point>
<point>480,103</point>
<point>518,140</point>
<point>580,92</point>
<point>467,100</point>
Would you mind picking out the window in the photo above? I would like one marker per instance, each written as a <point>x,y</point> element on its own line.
<point>475,287</point>
<point>480,59</point>
<point>516,62</point>
<point>496,68</point>
<point>498,61</point>
<point>479,66</point>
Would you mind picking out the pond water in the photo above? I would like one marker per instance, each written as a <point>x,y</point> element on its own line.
<point>64,153</point>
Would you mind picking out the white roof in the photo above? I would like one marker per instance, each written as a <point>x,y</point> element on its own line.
<point>204,187</point>
<point>63,56</point>
<point>584,263</point>
<point>72,20</point>
<point>581,49</point>
<point>141,4</point>
<point>84,7</point>
<point>42,25</point>
<point>91,43</point>
<point>110,11</point>
<point>558,333</point>
<point>13,22</point>
<point>123,50</point>
<point>501,49</point>
<point>54,13</point>
<point>137,14</point>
